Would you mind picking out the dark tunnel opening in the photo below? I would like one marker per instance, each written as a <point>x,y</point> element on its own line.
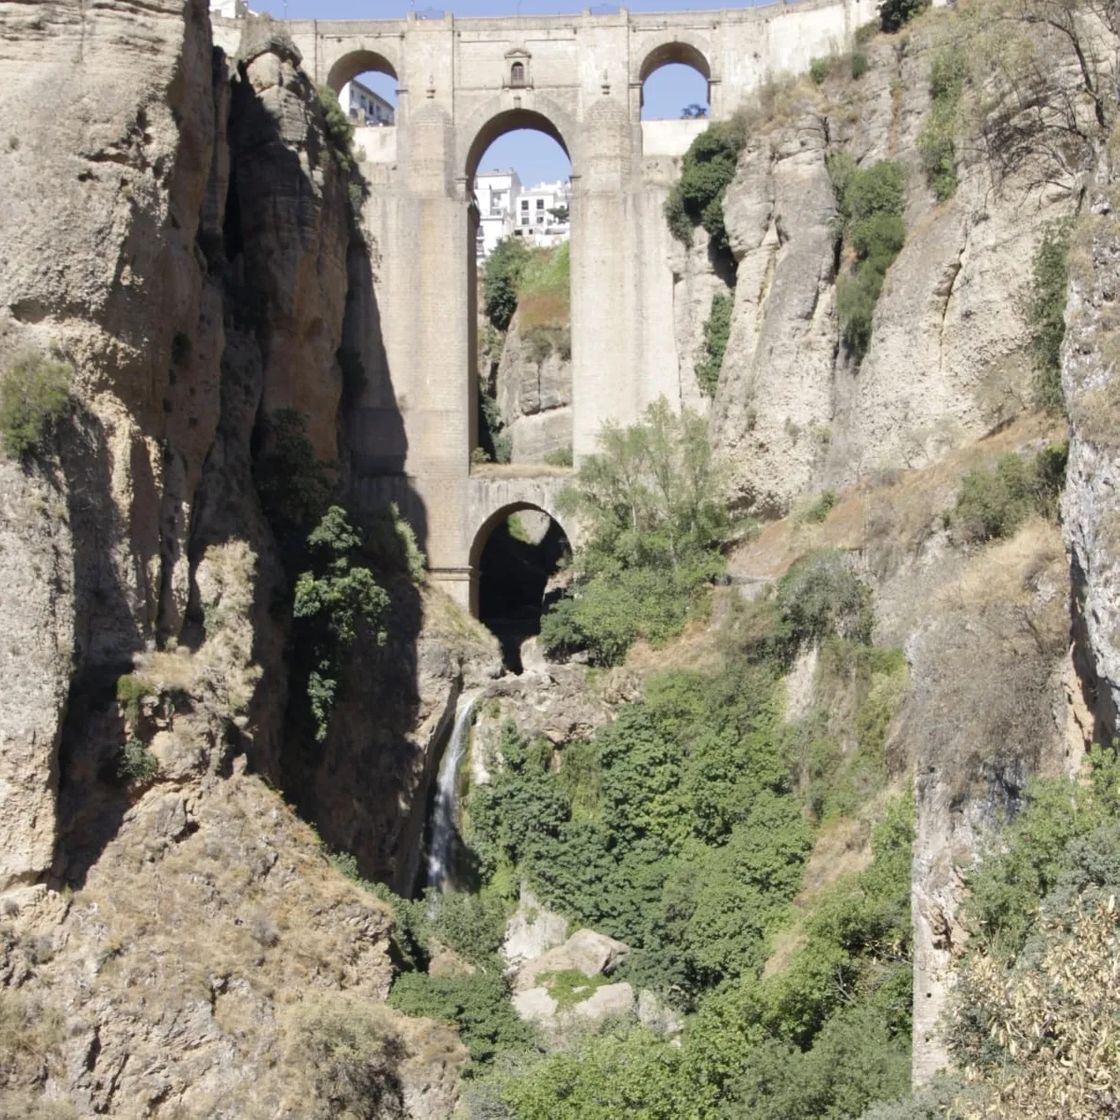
<point>521,572</point>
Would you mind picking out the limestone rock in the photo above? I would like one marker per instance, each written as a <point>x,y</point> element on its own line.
<point>586,951</point>
<point>1091,385</point>
<point>608,1002</point>
<point>532,930</point>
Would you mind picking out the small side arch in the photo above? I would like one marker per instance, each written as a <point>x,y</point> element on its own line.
<point>482,534</point>
<point>675,51</point>
<point>357,62</point>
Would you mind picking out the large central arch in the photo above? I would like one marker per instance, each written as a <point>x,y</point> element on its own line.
<point>510,120</point>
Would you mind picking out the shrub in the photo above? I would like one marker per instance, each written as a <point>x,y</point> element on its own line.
<point>936,141</point>
<point>994,501</point>
<point>895,14</point>
<point>1046,306</point>
<point>392,541</point>
<point>820,68</point>
<point>819,508</point>
<point>291,481</point>
<point>706,170</point>
<point>1039,847</point>
<point>352,1052</point>
<point>821,596</point>
<point>333,600</point>
<point>131,691</point>
<point>859,64</point>
<point>34,396</point>
<point>870,201</point>
<point>561,457</point>
<point>136,765</point>
<point>717,330</point>
<point>339,130</point>
<point>477,1004</point>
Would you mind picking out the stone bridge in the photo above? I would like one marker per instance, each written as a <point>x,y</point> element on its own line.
<point>462,83</point>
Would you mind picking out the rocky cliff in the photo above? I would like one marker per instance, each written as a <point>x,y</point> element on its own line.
<point>793,409</point>
<point>172,935</point>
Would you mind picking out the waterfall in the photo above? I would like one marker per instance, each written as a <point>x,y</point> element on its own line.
<point>447,792</point>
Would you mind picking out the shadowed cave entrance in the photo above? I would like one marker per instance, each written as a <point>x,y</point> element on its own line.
<point>522,567</point>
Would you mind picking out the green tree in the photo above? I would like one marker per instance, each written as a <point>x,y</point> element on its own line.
<point>501,275</point>
<point>895,14</point>
<point>706,171</point>
<point>335,599</point>
<point>651,499</point>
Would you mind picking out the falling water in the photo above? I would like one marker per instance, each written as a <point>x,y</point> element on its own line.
<point>447,790</point>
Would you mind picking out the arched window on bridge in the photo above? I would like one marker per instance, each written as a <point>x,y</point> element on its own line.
<point>366,84</point>
<point>517,75</point>
<point>519,277</point>
<point>522,559</point>
<point>675,83</point>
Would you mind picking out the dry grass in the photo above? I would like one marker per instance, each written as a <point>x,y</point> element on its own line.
<point>520,470</point>
<point>891,515</point>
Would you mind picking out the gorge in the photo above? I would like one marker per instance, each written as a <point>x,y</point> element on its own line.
<point>743,746</point>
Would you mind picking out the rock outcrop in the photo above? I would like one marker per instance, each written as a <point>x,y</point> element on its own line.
<point>1091,386</point>
<point>533,389</point>
<point>176,233</point>
<point>793,411</point>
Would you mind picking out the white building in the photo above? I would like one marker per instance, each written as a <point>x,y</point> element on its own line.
<point>542,213</point>
<point>364,107</point>
<point>507,209</point>
<point>496,193</point>
<point>230,9</point>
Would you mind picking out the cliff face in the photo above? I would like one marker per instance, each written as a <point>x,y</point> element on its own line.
<point>1091,386</point>
<point>533,388</point>
<point>793,410</point>
<point>177,232</point>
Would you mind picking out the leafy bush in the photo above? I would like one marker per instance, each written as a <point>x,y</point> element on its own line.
<point>820,68</point>
<point>706,170</point>
<point>334,600</point>
<point>993,502</point>
<point>131,691</point>
<point>352,1052</point>
<point>34,396</point>
<point>859,64</point>
<point>501,275</point>
<point>477,1004</point>
<point>136,765</point>
<point>392,543</point>
<point>1040,846</point>
<point>651,500</point>
<point>819,508</point>
<point>291,481</point>
<point>339,130</point>
<point>895,14</point>
<point>1046,307</point>
<point>870,201</point>
<point>821,596</point>
<point>717,330</point>
<point>561,457</point>
<point>936,141</point>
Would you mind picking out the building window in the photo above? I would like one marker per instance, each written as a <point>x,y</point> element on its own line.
<point>517,74</point>
<point>540,203</point>
<point>524,204</point>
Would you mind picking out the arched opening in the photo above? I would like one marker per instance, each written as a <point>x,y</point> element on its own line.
<point>521,555</point>
<point>366,84</point>
<point>676,83</point>
<point>519,281</point>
